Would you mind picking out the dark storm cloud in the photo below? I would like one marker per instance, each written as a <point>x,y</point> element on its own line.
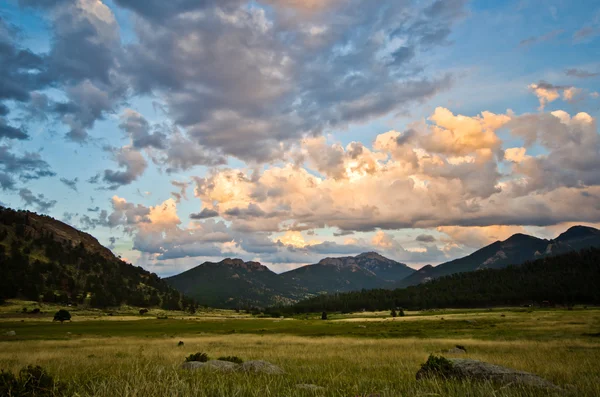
<point>39,202</point>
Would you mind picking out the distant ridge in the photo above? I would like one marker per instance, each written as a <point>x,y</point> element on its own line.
<point>234,283</point>
<point>515,250</point>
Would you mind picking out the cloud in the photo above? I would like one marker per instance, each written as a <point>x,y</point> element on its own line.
<point>134,163</point>
<point>10,132</point>
<point>478,237</point>
<point>205,214</point>
<point>580,73</point>
<point>547,93</point>
<point>585,32</point>
<point>26,167</point>
<point>540,39</point>
<point>278,90</point>
<point>70,183</point>
<point>425,238</point>
<point>39,202</point>
<point>452,180</point>
<point>138,129</point>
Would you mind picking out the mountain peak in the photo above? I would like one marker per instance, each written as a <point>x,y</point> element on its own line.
<point>239,263</point>
<point>372,255</point>
<point>578,232</point>
<point>520,237</point>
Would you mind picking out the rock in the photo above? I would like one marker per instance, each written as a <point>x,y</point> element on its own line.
<point>455,350</point>
<point>308,386</point>
<point>467,369</point>
<point>217,365</point>
<point>10,333</point>
<point>362,326</point>
<point>264,367</point>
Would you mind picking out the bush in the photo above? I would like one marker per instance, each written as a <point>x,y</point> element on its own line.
<point>143,311</point>
<point>436,366</point>
<point>324,316</point>
<point>32,381</point>
<point>401,313</point>
<point>233,359</point>
<point>393,313</point>
<point>202,357</point>
<point>9,385</point>
<point>62,315</point>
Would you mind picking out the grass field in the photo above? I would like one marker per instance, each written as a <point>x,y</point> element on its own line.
<point>351,355</point>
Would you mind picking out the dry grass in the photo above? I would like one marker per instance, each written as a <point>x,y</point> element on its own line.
<point>344,366</point>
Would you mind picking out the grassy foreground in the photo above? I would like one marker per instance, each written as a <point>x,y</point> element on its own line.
<point>347,356</point>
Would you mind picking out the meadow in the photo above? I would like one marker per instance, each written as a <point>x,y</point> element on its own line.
<point>360,354</point>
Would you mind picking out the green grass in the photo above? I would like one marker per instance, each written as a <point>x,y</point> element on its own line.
<point>348,356</point>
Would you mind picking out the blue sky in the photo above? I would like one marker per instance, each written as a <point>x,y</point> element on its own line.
<point>301,129</point>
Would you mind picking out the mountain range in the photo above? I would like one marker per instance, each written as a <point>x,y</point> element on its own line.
<point>234,283</point>
<point>45,259</point>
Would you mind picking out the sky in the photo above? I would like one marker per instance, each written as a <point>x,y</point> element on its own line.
<point>286,131</point>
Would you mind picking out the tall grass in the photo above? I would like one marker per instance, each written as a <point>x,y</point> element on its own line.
<point>128,366</point>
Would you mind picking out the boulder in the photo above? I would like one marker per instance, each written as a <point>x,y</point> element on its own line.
<point>308,386</point>
<point>216,365</point>
<point>467,369</point>
<point>10,333</point>
<point>265,367</point>
<point>455,350</point>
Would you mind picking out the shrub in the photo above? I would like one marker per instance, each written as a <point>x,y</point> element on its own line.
<point>233,359</point>
<point>143,311</point>
<point>35,311</point>
<point>180,343</point>
<point>35,381</point>
<point>436,366</point>
<point>393,313</point>
<point>401,313</point>
<point>32,381</point>
<point>9,385</point>
<point>202,357</point>
<point>324,316</point>
<point>62,315</point>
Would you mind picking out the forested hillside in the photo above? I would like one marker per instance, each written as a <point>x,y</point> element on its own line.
<point>564,279</point>
<point>42,259</point>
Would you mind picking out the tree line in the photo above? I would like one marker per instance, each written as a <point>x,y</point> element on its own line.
<point>572,278</point>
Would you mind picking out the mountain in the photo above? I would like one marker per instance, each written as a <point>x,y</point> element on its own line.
<point>572,278</point>
<point>367,270</point>
<point>516,250</point>
<point>43,259</point>
<point>234,283</point>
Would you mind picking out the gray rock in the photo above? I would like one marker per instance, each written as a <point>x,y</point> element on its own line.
<point>10,333</point>
<point>264,367</point>
<point>216,365</point>
<point>455,350</point>
<point>308,386</point>
<point>467,369</point>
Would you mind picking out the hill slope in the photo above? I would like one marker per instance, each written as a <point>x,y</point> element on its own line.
<point>234,283</point>
<point>516,250</point>
<point>564,279</point>
<point>367,270</point>
<point>44,259</point>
